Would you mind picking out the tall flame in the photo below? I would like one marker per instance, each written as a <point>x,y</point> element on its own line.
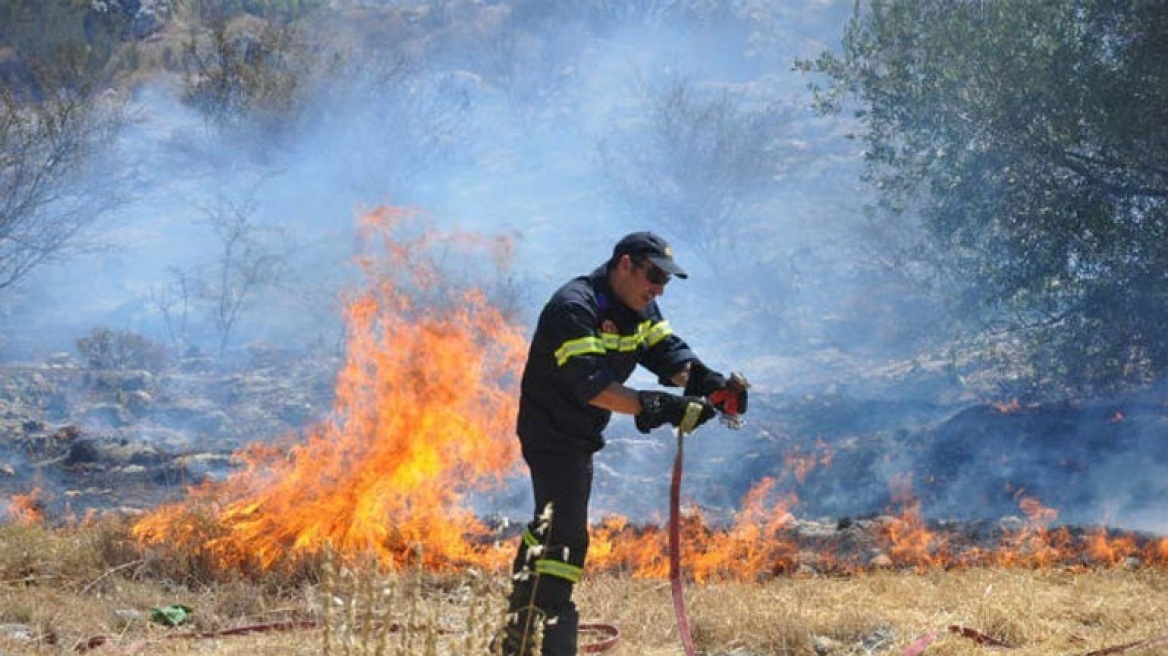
<point>424,412</point>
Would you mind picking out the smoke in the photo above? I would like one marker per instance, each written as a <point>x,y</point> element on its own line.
<point>494,130</point>
<point>495,126</point>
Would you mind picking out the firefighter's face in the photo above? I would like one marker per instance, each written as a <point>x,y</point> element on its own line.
<point>637,282</point>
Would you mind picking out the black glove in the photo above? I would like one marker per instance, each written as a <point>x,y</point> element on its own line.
<point>660,408</point>
<point>729,397</point>
<point>703,381</point>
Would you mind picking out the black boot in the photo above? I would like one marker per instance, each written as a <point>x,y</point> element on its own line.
<point>560,632</point>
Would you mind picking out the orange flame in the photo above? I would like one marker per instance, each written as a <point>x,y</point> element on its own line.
<point>1110,551</point>
<point>424,413</point>
<point>801,464</point>
<point>749,547</point>
<point>909,542</point>
<point>26,509</point>
<point>1157,554</point>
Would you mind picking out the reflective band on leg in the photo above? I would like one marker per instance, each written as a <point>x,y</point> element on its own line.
<point>559,569</point>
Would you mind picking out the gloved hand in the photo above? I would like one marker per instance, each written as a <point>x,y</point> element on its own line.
<point>703,381</point>
<point>660,408</point>
<point>728,396</point>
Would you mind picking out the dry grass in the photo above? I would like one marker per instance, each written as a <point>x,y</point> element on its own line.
<point>62,587</point>
<point>1038,611</point>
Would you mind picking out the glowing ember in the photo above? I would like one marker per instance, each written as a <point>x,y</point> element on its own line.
<point>424,412</point>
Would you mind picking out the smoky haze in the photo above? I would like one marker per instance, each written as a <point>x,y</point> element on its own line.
<point>563,135</point>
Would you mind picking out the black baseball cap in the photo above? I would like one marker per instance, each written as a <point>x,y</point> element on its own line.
<point>651,247</point>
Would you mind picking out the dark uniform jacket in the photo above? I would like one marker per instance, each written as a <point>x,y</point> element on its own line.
<point>586,339</point>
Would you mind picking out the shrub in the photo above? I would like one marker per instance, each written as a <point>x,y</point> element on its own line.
<point>122,351</point>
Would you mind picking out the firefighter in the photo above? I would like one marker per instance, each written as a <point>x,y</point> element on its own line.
<point>591,335</point>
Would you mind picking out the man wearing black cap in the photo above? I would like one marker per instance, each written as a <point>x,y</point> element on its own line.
<point>591,335</point>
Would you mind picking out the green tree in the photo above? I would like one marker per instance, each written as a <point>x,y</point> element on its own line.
<point>1029,140</point>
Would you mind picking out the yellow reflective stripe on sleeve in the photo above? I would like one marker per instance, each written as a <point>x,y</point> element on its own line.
<point>658,332</point>
<point>529,538</point>
<point>559,569</point>
<point>581,346</point>
<point>647,333</point>
<point>624,343</point>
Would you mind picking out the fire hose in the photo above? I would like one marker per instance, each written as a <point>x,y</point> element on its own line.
<point>675,540</point>
<point>688,423</point>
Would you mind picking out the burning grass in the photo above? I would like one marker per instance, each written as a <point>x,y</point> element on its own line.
<point>64,588</point>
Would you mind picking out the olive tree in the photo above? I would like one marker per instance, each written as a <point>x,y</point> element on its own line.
<point>1029,142</point>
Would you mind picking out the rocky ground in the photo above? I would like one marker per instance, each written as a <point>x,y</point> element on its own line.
<point>84,439</point>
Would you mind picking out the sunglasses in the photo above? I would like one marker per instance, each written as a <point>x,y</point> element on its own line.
<point>654,274</point>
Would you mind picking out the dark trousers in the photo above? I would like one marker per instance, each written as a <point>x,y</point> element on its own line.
<point>542,590</point>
